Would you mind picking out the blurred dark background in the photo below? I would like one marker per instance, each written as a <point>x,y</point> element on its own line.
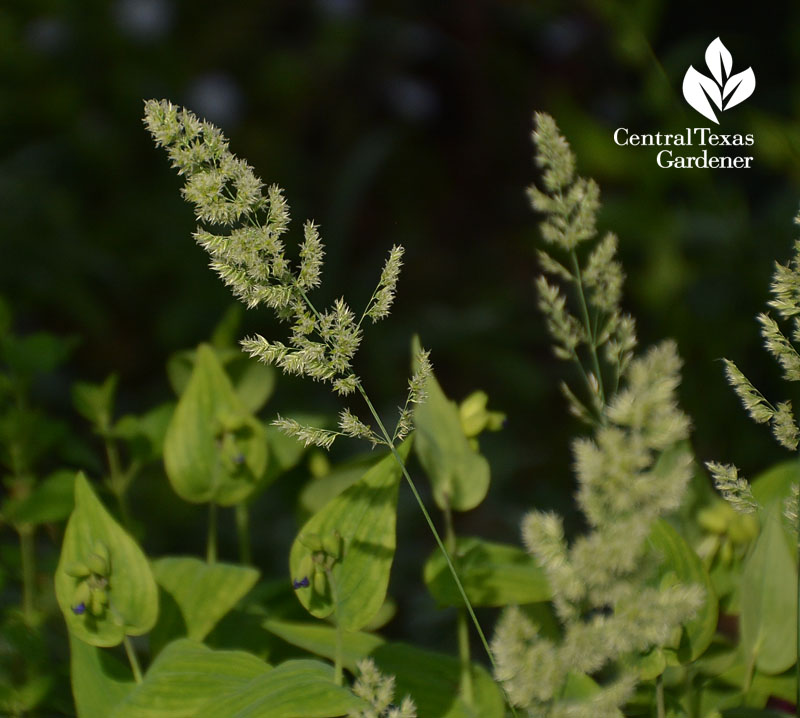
<point>396,122</point>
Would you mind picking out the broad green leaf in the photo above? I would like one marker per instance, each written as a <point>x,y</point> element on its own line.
<point>95,402</point>
<point>459,475</point>
<point>775,483</point>
<point>579,687</point>
<point>294,689</point>
<point>320,639</point>
<point>433,679</point>
<point>185,677</point>
<point>319,491</point>
<point>364,516</point>
<point>132,592</point>
<point>493,574</point>
<point>50,501</point>
<point>678,557</point>
<point>768,620</point>
<point>214,449</point>
<point>782,686</point>
<point>100,681</point>
<point>145,433</point>
<point>253,381</point>
<point>285,452</point>
<point>196,595</point>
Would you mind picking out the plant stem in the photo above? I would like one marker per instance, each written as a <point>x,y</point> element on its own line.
<point>431,526</point>
<point>797,664</point>
<point>462,627</point>
<point>421,504</point>
<point>28,557</point>
<point>576,268</point>
<point>211,547</point>
<point>660,696</point>
<point>137,672</point>
<point>243,533</point>
<point>117,481</point>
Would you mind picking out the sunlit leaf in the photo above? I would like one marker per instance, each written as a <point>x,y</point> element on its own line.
<point>294,689</point>
<point>214,449</point>
<point>459,475</point>
<point>364,517</point>
<point>100,681</point>
<point>132,593</point>
<point>196,595</point>
<point>184,678</point>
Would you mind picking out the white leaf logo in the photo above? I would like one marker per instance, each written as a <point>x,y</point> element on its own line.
<point>724,90</point>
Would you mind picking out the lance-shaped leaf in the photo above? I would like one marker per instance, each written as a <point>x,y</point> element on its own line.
<point>363,518</point>
<point>196,595</point>
<point>492,574</point>
<point>131,592</point>
<point>739,87</point>
<point>100,681</point>
<point>294,689</point>
<point>677,556</point>
<point>214,449</point>
<point>185,677</point>
<point>459,475</point>
<point>697,88</point>
<point>768,599</point>
<point>719,60</point>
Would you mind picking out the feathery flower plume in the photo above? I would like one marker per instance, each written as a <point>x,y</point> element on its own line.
<point>785,290</point>
<point>241,226</point>
<point>602,590</point>
<point>377,689</point>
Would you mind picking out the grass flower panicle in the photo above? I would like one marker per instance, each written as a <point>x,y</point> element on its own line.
<point>633,470</point>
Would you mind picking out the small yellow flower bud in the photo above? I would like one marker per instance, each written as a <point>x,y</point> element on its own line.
<point>78,569</point>
<point>97,564</point>
<point>332,544</point>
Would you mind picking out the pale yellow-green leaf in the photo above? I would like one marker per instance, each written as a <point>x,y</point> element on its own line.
<point>364,516</point>
<point>196,595</point>
<point>214,450</point>
<point>294,689</point>
<point>768,620</point>
<point>184,678</point>
<point>459,475</point>
<point>99,680</point>
<point>132,591</point>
